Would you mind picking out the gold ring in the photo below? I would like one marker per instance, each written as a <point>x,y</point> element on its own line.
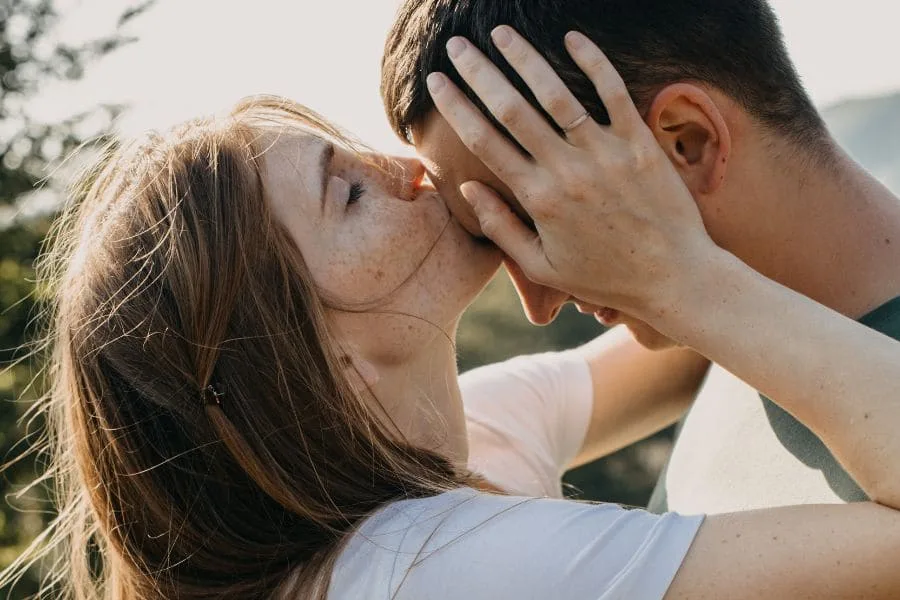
<point>578,121</point>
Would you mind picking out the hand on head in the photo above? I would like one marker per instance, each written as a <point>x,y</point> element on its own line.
<point>615,224</point>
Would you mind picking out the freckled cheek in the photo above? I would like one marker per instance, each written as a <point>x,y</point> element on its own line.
<point>361,276</point>
<point>373,259</point>
<point>404,237</point>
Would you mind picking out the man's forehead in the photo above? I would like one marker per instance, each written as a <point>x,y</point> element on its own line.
<point>447,158</point>
<point>439,144</point>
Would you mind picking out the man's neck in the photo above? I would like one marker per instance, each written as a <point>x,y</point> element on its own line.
<point>830,231</point>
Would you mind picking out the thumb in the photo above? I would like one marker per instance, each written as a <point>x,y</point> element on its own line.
<point>503,227</point>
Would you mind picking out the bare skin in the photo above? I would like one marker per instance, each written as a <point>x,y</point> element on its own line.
<point>680,283</point>
<point>382,244</point>
<point>396,271</point>
<point>825,228</point>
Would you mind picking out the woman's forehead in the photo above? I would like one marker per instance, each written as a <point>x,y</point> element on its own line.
<point>295,164</point>
<point>293,140</point>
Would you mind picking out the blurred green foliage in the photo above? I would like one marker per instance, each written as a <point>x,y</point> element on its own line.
<point>32,56</point>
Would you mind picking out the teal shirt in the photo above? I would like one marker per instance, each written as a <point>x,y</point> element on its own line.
<point>701,454</point>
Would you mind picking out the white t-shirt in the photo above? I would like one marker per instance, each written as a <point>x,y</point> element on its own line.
<point>527,420</point>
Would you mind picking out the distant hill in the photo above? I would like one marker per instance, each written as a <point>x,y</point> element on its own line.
<point>869,129</point>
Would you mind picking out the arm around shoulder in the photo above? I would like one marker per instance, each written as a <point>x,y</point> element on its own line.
<point>840,552</point>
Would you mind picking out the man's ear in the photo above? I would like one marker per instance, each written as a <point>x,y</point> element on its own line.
<point>692,131</point>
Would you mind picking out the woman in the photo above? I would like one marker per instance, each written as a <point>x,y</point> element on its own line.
<point>255,396</point>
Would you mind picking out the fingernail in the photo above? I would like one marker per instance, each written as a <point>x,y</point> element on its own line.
<point>455,47</point>
<point>502,36</point>
<point>575,39</point>
<point>435,82</point>
<point>468,191</point>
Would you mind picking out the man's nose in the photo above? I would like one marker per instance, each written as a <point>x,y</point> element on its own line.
<point>541,303</point>
<point>404,175</point>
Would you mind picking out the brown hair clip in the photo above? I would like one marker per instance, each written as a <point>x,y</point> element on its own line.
<point>212,396</point>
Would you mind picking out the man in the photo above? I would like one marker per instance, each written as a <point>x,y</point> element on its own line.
<point>713,83</point>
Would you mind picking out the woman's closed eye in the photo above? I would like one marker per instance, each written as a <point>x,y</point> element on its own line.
<point>356,192</point>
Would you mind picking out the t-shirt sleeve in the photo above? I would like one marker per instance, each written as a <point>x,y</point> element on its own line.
<point>527,418</point>
<point>486,547</point>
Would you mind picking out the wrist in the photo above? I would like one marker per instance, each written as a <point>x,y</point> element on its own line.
<point>692,299</point>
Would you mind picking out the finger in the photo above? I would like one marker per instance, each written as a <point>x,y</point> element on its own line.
<point>477,133</point>
<point>503,100</point>
<point>612,91</point>
<point>505,229</point>
<point>550,91</point>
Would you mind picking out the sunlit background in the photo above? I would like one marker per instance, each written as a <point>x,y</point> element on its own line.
<point>195,57</point>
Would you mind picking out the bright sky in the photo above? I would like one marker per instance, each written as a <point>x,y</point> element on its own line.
<point>198,56</point>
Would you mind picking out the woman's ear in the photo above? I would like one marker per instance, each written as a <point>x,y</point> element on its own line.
<point>692,131</point>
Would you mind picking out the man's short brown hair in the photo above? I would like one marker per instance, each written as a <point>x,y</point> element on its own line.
<point>733,45</point>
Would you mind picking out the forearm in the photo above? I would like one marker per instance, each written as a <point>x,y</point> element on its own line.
<point>836,376</point>
<point>836,552</point>
<point>636,391</point>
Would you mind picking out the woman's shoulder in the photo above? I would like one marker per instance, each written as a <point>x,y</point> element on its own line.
<point>468,544</point>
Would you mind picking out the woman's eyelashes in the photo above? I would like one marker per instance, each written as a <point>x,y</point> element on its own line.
<point>356,192</point>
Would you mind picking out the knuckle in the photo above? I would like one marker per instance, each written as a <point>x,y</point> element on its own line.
<point>468,62</point>
<point>618,95</point>
<point>517,53</point>
<point>490,225</point>
<point>509,112</point>
<point>574,174</point>
<point>641,159</point>
<point>542,209</point>
<point>595,63</point>
<point>577,180</point>
<point>477,140</point>
<point>557,103</point>
<point>534,193</point>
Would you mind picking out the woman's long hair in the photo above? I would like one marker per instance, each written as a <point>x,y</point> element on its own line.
<point>207,440</point>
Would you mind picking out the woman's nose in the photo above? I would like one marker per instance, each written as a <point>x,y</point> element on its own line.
<point>410,176</point>
<point>404,175</point>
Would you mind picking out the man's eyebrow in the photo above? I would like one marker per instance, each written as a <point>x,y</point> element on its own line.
<point>325,169</point>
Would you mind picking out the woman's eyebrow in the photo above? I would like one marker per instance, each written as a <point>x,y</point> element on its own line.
<point>325,169</point>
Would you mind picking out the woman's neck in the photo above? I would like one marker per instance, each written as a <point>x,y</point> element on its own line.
<point>421,396</point>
